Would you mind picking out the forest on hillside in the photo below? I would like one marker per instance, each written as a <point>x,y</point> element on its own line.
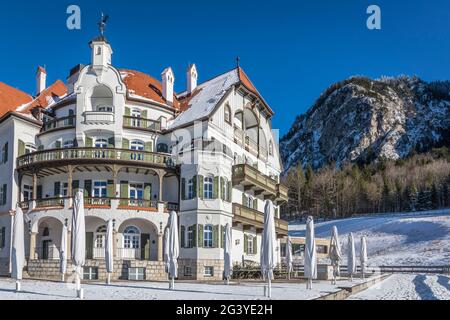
<point>417,183</point>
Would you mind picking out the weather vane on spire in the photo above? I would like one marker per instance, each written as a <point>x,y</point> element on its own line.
<point>102,23</point>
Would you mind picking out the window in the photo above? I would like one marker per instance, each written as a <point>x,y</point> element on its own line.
<point>4,154</point>
<point>131,238</point>
<point>3,194</point>
<point>64,189</point>
<point>100,189</point>
<point>68,144</point>
<point>191,237</point>
<point>136,118</point>
<point>190,189</point>
<point>100,236</point>
<point>136,193</point>
<point>250,202</point>
<point>90,273</point>
<point>208,187</point>
<point>208,237</point>
<point>187,271</point>
<point>250,248</point>
<point>209,271</point>
<point>271,148</point>
<point>227,114</point>
<point>104,109</point>
<point>27,192</point>
<point>2,237</point>
<point>137,145</point>
<point>101,143</point>
<point>136,274</point>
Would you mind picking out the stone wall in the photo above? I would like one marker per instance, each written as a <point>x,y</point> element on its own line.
<point>49,269</point>
<point>198,269</point>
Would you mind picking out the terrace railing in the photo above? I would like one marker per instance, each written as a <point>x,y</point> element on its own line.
<point>64,122</point>
<point>140,123</point>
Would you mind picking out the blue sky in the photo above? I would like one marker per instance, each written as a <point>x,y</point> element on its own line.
<point>292,50</point>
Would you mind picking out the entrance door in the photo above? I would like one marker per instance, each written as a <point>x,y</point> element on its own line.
<point>45,249</point>
<point>145,247</point>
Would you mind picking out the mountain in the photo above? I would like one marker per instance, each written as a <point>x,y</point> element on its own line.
<point>362,120</point>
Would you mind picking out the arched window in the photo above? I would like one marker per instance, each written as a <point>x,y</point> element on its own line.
<point>227,113</point>
<point>271,148</point>
<point>131,238</point>
<point>208,236</point>
<point>137,145</point>
<point>101,143</point>
<point>100,235</point>
<point>208,187</point>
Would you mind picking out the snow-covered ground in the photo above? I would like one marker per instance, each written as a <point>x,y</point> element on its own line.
<point>408,287</point>
<point>396,239</point>
<point>43,290</point>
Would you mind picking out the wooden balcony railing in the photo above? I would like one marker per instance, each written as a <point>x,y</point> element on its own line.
<point>64,122</point>
<point>138,203</point>
<point>252,217</point>
<point>50,202</point>
<point>141,124</point>
<point>282,193</point>
<point>212,146</point>
<point>97,202</point>
<point>95,155</point>
<point>250,176</point>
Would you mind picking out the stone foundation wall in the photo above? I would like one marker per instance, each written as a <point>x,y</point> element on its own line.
<point>49,269</point>
<point>4,267</point>
<point>198,269</point>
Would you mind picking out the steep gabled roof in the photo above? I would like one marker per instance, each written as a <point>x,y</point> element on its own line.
<point>12,98</point>
<point>145,86</point>
<point>53,93</point>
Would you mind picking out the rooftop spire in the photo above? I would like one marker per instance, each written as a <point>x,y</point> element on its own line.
<point>238,61</point>
<point>102,24</point>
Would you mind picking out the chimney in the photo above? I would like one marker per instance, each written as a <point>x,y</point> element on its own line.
<point>168,81</point>
<point>192,77</point>
<point>41,78</point>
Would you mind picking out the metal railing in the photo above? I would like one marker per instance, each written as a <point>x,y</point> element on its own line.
<point>101,202</point>
<point>63,122</point>
<point>140,123</point>
<point>107,154</point>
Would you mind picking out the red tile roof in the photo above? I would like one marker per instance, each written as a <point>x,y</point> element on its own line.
<point>143,85</point>
<point>11,98</point>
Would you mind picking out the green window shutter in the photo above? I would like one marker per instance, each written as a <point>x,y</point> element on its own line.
<point>245,244</point>
<point>57,189</point>
<point>148,146</point>
<point>216,188</point>
<point>244,200</point>
<point>183,189</point>
<point>87,188</point>
<point>194,236</point>
<point>147,191</point>
<point>5,158</point>
<point>183,236</point>
<point>201,182</point>
<point>229,191</point>
<point>255,245</point>
<point>144,114</point>
<point>88,142</point>
<point>125,144</point>
<point>111,142</point>
<point>194,186</point>
<point>255,204</point>
<point>110,191</point>
<point>200,243</point>
<point>89,245</point>
<point>5,191</point>
<point>124,190</point>
<point>222,188</point>
<point>21,148</point>
<point>127,111</point>
<point>216,236</point>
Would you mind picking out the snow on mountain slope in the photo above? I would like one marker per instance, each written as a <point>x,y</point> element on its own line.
<point>397,239</point>
<point>361,120</point>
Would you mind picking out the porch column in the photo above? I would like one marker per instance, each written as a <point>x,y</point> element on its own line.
<point>33,237</point>
<point>160,247</point>
<point>161,179</point>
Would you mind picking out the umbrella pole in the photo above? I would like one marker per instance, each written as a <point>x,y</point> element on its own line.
<point>80,293</point>
<point>269,290</point>
<point>62,277</point>
<point>108,279</point>
<point>18,287</point>
<point>172,283</point>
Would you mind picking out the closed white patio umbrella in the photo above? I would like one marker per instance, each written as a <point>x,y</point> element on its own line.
<point>335,254</point>
<point>310,253</point>
<point>363,255</point>
<point>268,247</point>
<point>173,249</point>
<point>18,247</point>
<point>228,267</point>
<point>351,257</point>
<point>78,239</point>
<point>289,258</point>
<point>63,253</point>
<point>109,251</point>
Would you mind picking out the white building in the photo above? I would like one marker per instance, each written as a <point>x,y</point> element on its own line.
<point>138,150</point>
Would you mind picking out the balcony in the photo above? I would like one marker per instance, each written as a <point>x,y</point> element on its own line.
<point>138,204</point>
<point>50,203</point>
<point>252,179</point>
<point>97,202</point>
<point>60,123</point>
<point>79,156</point>
<point>253,218</point>
<point>98,117</point>
<point>282,194</point>
<point>141,124</point>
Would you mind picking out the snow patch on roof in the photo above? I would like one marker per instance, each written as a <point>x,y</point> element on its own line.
<point>205,98</point>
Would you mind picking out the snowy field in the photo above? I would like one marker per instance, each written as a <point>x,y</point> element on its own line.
<point>42,290</point>
<point>396,239</point>
<point>408,287</point>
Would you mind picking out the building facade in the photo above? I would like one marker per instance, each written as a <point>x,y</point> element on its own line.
<point>139,150</point>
